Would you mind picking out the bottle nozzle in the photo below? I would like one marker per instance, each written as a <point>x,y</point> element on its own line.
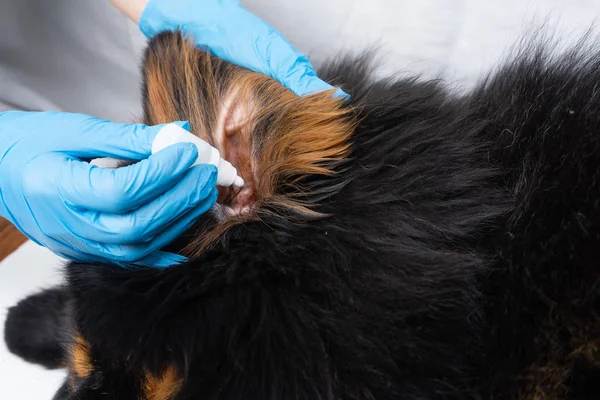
<point>238,181</point>
<point>228,175</point>
<point>173,133</point>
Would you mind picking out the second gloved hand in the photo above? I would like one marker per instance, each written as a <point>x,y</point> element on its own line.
<point>90,214</point>
<point>236,35</point>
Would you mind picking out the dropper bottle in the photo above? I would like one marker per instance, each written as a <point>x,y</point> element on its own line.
<point>173,133</point>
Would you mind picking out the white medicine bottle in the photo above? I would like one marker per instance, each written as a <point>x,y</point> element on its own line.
<point>173,133</point>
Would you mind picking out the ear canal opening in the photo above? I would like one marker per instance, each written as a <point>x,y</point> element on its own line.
<point>275,139</point>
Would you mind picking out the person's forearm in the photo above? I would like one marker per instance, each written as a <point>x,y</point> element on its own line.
<point>131,8</point>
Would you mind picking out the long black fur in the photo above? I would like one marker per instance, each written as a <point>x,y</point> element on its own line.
<point>460,259</point>
<point>38,327</point>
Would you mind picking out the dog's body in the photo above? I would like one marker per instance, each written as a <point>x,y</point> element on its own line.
<point>457,258</point>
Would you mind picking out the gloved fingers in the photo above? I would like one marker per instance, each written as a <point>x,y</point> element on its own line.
<point>292,68</point>
<point>161,259</point>
<point>88,137</point>
<point>168,236</point>
<point>157,259</point>
<point>303,81</point>
<point>95,138</point>
<point>190,198</point>
<point>142,254</point>
<point>124,189</point>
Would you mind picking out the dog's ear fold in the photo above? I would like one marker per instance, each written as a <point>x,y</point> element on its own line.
<point>37,329</point>
<point>179,82</point>
<point>166,60</point>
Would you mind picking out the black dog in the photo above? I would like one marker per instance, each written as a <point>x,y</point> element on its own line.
<point>456,255</point>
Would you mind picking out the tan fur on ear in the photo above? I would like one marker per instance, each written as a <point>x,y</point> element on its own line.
<point>81,359</point>
<point>274,138</point>
<point>163,387</point>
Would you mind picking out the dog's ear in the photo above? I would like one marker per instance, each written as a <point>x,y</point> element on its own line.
<point>37,329</point>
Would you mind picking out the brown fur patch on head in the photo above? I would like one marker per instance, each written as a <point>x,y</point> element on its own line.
<point>274,138</point>
<point>548,377</point>
<point>80,358</point>
<point>163,387</point>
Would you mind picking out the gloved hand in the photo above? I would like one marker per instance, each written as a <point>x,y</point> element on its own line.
<point>235,35</point>
<point>90,214</point>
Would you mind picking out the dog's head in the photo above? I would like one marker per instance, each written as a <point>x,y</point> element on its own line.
<point>223,322</point>
<point>335,273</point>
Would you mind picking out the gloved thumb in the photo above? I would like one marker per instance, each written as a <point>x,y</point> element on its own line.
<point>126,188</point>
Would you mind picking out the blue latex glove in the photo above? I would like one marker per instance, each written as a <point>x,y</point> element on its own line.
<point>90,214</point>
<point>235,35</point>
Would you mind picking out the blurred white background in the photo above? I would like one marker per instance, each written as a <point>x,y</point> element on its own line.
<point>82,56</point>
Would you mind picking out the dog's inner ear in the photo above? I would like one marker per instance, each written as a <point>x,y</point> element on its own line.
<point>181,84</point>
<point>274,138</point>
